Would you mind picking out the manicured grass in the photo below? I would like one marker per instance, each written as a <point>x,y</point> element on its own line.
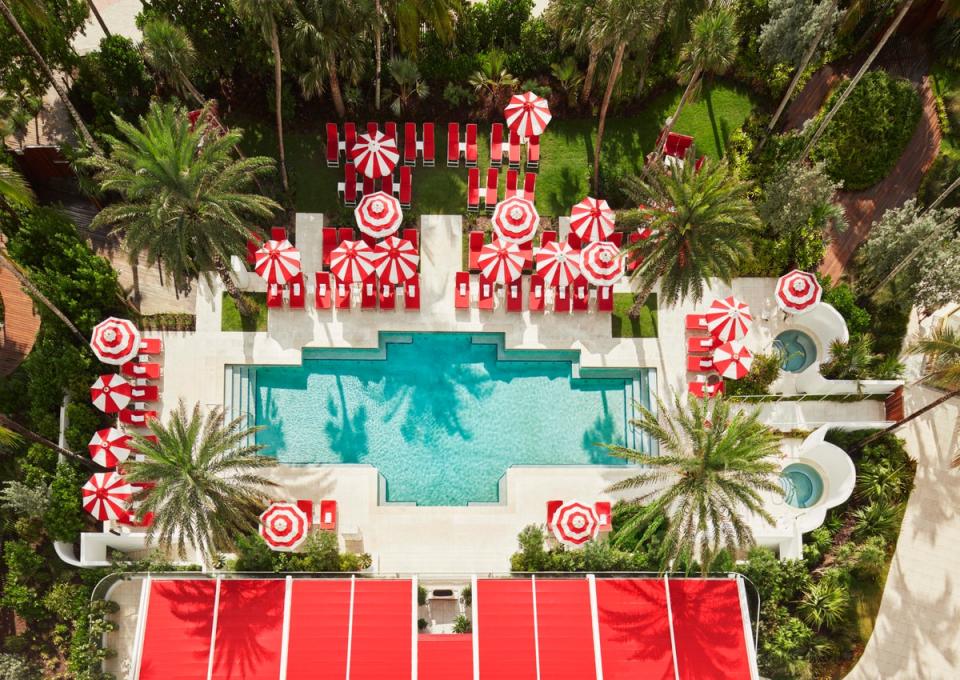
<point>231,319</point>
<point>623,326</point>
<point>565,163</point>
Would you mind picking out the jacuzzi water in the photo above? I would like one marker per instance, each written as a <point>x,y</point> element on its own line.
<point>802,485</point>
<point>797,350</point>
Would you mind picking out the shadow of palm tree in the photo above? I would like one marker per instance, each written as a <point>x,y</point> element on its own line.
<point>604,430</point>
<point>346,432</point>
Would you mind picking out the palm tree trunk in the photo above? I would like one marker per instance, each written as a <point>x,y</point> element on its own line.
<point>335,94</point>
<point>278,102</point>
<point>676,114</point>
<point>377,57</point>
<point>93,10</point>
<point>7,263</point>
<point>808,55</point>
<point>644,293</point>
<point>57,85</point>
<point>590,75</point>
<point>919,248</point>
<point>189,87</point>
<point>31,436</point>
<point>856,79</point>
<point>946,192</point>
<point>903,421</point>
<point>607,95</point>
<point>244,307</point>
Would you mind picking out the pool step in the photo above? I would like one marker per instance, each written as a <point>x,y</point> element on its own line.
<point>239,398</point>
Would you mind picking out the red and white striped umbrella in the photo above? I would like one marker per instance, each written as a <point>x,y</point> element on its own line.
<point>395,260</point>
<point>558,263</point>
<point>500,261</point>
<point>106,495</point>
<point>798,292</point>
<point>111,393</point>
<point>378,214</point>
<point>732,360</point>
<point>109,447</point>
<point>601,263</point>
<point>284,526</point>
<point>592,219</point>
<point>527,114</point>
<point>575,523</point>
<point>277,262</point>
<point>115,341</point>
<point>375,156</point>
<point>728,319</point>
<point>515,219</point>
<point>351,261</point>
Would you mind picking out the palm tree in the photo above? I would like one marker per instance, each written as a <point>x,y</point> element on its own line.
<point>96,13</point>
<point>51,78</point>
<point>620,23</point>
<point>573,20</point>
<point>267,14</point>
<point>205,488</point>
<point>10,430</point>
<point>409,84</point>
<point>711,470</point>
<point>169,52</point>
<point>568,75</point>
<point>183,198</point>
<point>712,49</point>
<point>408,17</point>
<point>700,219</point>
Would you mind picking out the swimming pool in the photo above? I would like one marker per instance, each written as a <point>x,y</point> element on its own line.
<point>440,415</point>
<point>797,350</point>
<point>802,485</point>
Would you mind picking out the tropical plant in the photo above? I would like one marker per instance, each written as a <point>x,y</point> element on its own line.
<point>878,518</point>
<point>14,667</point>
<point>169,52</point>
<point>701,222</point>
<point>826,602</point>
<point>406,75</point>
<point>408,17</point>
<point>712,468</point>
<point>568,75</point>
<point>184,199</point>
<point>205,488</point>
<point>763,372</point>
<point>23,500</point>
<point>882,480</point>
<point>13,187</point>
<point>492,78</point>
<point>572,19</point>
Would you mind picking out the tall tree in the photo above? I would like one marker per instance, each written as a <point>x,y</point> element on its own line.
<point>712,469</point>
<point>409,17</point>
<point>96,13</point>
<point>701,222</point>
<point>169,52</point>
<point>267,15</point>
<point>184,200</point>
<point>711,49</point>
<point>10,428</point>
<point>206,488</point>
<point>573,20</point>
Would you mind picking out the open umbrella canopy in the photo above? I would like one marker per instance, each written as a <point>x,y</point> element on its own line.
<point>728,319</point>
<point>378,214</point>
<point>352,261</point>
<point>592,219</point>
<point>106,495</point>
<point>375,155</point>
<point>500,262</point>
<point>277,261</point>
<point>395,260</point>
<point>601,263</point>
<point>515,219</point>
<point>527,114</point>
<point>732,360</point>
<point>284,526</point>
<point>110,393</point>
<point>109,447</point>
<point>575,523</point>
<point>558,263</point>
<point>115,341</point>
<point>798,292</point>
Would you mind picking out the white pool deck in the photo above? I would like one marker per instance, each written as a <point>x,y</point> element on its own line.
<point>412,539</point>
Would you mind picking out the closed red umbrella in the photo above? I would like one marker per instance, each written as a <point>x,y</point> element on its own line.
<point>115,341</point>
<point>515,219</point>
<point>109,447</point>
<point>527,114</point>
<point>575,523</point>
<point>284,526</point>
<point>378,214</point>
<point>601,263</point>
<point>798,292</point>
<point>592,219</point>
<point>732,360</point>
<point>106,495</point>
<point>110,393</point>
<point>558,263</point>
<point>277,262</point>
<point>500,261</point>
<point>351,261</point>
<point>375,155</point>
<point>728,319</point>
<point>395,260</point>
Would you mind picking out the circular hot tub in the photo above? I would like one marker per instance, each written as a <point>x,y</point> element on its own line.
<point>797,350</point>
<point>802,485</point>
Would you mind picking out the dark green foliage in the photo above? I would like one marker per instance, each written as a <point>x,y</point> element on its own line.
<point>869,133</point>
<point>841,298</point>
<point>421,596</point>
<point>319,553</point>
<point>17,668</point>
<point>942,173</point>
<point>879,518</point>
<point>535,52</point>
<point>594,556</point>
<point>462,625</point>
<point>25,580</point>
<point>112,80</point>
<point>764,371</point>
<point>64,519</point>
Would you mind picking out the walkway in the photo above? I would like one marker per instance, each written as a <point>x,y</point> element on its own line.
<point>20,325</point>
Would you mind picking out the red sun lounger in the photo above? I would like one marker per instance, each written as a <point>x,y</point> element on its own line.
<point>470,154</point>
<point>537,292</point>
<point>703,389</point>
<point>605,299</point>
<point>411,293</point>
<point>581,295</point>
<point>274,295</point>
<point>141,369</point>
<point>491,190</point>
<point>533,153</point>
<point>511,190</point>
<point>349,137</point>
<point>574,241</point>
<point>496,144</point>
<point>602,508</point>
<point>453,145</point>
<point>322,291</point>
<point>297,292</point>
<point>333,145</point>
<point>461,292</point>
<point>429,146</point>
<point>701,344</point>
<point>341,294</point>
<point>346,234</point>
<point>473,189</point>
<point>515,296</point>
<point>368,293</point>
<point>388,296</point>
<point>699,364</point>
<point>278,234</point>
<point>547,237</point>
<point>561,299</point>
<point>349,184</point>
<point>151,347</point>
<point>368,185</point>
<point>412,235</point>
<point>136,418</point>
<point>409,143</point>
<point>328,516</point>
<point>330,242</point>
<point>386,184</point>
<point>529,185</point>
<point>696,322</point>
<point>476,243</point>
<point>390,130</point>
<point>513,155</point>
<point>372,129</point>
<point>145,393</point>
<point>486,294</point>
<point>406,186</point>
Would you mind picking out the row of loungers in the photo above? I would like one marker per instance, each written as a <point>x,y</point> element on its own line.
<point>144,368</point>
<point>333,237</point>
<point>700,359</point>
<point>490,191</point>
<point>423,146</point>
<point>329,292</point>
<point>353,187</point>
<point>540,297</point>
<point>477,239</point>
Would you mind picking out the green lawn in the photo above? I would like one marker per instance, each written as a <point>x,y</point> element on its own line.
<point>566,155</point>
<point>231,320</point>
<point>644,326</point>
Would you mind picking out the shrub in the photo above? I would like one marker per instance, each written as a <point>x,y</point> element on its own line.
<point>763,373</point>
<point>112,80</point>
<point>841,298</point>
<point>14,667</point>
<point>462,625</point>
<point>882,480</point>
<point>536,50</point>
<point>942,173</point>
<point>869,133</point>
<point>878,519</point>
<point>826,603</point>
<point>64,518</point>
<point>457,95</point>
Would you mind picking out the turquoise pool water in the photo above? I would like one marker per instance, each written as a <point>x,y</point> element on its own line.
<point>802,485</point>
<point>797,350</point>
<point>443,415</point>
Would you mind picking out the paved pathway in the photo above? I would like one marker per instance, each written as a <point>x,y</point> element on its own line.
<point>20,325</point>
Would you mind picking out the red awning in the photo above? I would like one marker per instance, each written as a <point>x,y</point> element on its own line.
<point>179,617</point>
<point>634,629</point>
<point>249,638</point>
<point>445,657</point>
<point>319,627</point>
